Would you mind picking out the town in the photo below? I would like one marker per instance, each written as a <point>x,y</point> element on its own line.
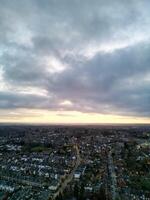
<point>75,162</point>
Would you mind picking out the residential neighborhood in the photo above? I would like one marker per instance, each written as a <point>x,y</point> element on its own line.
<point>74,163</point>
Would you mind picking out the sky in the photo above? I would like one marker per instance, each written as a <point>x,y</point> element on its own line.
<point>75,61</point>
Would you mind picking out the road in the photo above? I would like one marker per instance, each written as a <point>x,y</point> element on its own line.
<point>22,181</point>
<point>70,176</point>
<point>113,176</point>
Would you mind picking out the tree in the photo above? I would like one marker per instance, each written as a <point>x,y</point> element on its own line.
<point>76,191</point>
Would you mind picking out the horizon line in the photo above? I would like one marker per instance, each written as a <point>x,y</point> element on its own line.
<point>73,124</point>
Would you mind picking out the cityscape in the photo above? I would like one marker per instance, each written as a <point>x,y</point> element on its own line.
<point>74,99</point>
<point>74,162</point>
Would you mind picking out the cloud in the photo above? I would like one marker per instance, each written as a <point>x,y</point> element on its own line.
<point>94,54</point>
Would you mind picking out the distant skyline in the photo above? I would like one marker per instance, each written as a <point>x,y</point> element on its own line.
<point>75,61</point>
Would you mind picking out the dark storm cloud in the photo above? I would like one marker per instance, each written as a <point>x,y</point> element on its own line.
<point>103,45</point>
<point>11,100</point>
<point>23,68</point>
<point>113,81</point>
